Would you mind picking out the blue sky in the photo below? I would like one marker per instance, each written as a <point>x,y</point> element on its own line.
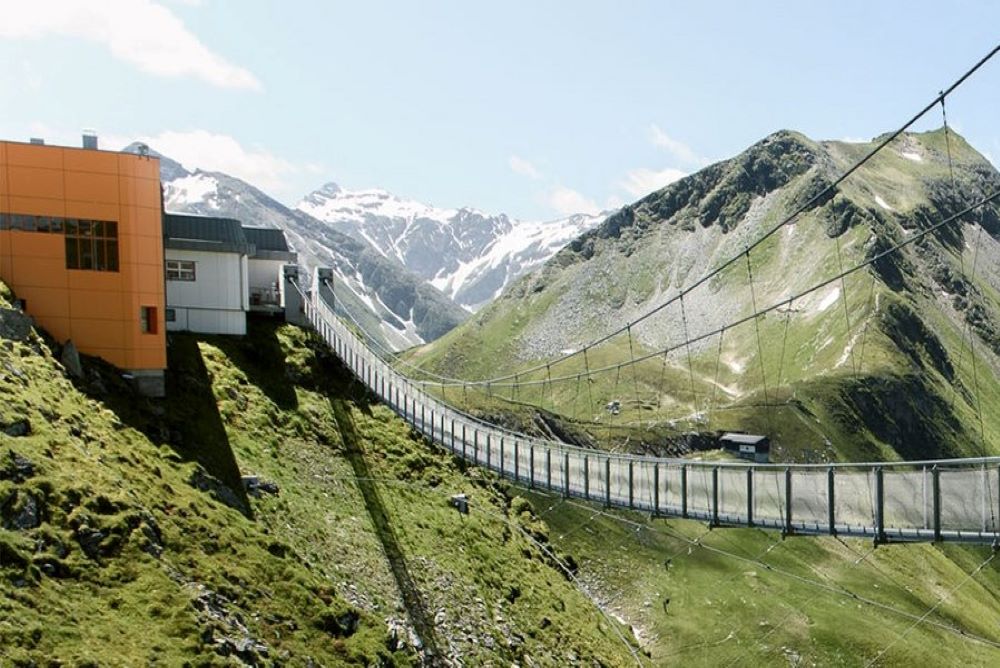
<point>536,109</point>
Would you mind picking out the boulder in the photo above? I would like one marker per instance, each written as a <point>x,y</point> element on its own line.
<point>70,359</point>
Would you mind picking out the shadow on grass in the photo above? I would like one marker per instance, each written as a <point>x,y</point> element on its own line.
<point>416,607</point>
<point>187,419</point>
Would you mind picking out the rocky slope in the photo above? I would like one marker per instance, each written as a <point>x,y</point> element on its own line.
<point>877,364</point>
<point>264,513</point>
<point>392,303</point>
<point>469,255</point>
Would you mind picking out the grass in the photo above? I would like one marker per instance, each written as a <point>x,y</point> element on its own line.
<point>185,559</point>
<point>744,597</point>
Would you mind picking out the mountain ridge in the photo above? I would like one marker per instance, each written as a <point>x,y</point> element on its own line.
<point>468,254</point>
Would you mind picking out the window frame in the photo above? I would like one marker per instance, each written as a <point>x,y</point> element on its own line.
<point>183,270</point>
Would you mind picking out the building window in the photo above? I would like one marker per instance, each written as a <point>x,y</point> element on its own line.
<point>147,319</point>
<point>180,270</point>
<point>91,244</point>
<point>170,315</point>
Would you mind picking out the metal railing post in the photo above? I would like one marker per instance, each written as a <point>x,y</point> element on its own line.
<point>936,500</point>
<point>656,489</point>
<point>684,490</point>
<point>831,501</point>
<point>566,474</point>
<point>879,505</point>
<point>607,482</point>
<point>548,468</point>
<point>531,466</point>
<point>715,496</point>
<point>788,502</point>
<point>631,495</point>
<point>517,462</point>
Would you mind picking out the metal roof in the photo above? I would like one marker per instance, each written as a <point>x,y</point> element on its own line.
<point>266,238</point>
<point>748,439</point>
<point>207,233</point>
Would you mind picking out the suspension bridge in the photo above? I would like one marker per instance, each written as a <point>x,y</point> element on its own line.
<point>934,500</point>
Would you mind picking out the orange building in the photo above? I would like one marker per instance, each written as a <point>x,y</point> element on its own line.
<point>81,243</point>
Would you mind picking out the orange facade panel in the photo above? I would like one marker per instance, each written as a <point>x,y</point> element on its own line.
<point>80,281</point>
<point>35,181</point>
<point>91,187</point>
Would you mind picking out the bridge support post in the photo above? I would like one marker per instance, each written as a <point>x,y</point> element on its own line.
<point>831,501</point>
<point>423,419</point>
<point>879,505</point>
<point>715,496</point>
<point>465,451</point>
<point>684,490</point>
<point>566,474</point>
<point>586,477</point>
<point>787,531</point>
<point>475,444</point>
<point>749,496</point>
<point>607,482</point>
<point>489,459</point>
<point>432,425</point>
<point>656,489</point>
<point>631,494</point>
<point>936,500</point>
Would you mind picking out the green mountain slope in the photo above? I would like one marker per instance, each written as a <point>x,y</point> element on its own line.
<point>893,360</point>
<point>127,537</point>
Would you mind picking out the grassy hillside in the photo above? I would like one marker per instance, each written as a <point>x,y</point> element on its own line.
<point>127,537</point>
<point>892,361</point>
<point>741,597</point>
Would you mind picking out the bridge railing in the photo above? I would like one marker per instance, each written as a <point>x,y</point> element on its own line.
<point>956,500</point>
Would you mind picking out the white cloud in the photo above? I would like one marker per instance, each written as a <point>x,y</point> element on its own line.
<point>640,182</point>
<point>222,153</point>
<point>140,32</point>
<point>568,201</point>
<point>677,149</point>
<point>519,165</point>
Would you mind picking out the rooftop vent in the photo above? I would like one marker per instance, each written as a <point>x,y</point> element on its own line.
<point>37,141</point>
<point>90,139</point>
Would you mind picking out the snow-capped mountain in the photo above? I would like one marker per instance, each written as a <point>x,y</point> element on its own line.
<point>469,255</point>
<point>389,301</point>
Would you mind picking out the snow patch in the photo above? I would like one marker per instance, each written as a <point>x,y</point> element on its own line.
<point>829,300</point>
<point>910,155</point>
<point>193,189</point>
<point>882,203</point>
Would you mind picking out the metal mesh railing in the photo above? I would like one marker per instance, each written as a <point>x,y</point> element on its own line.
<point>933,500</point>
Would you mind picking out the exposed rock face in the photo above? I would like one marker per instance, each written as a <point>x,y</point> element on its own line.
<point>470,255</point>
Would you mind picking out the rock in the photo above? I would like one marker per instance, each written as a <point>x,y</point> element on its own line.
<point>14,325</point>
<point>15,467</point>
<point>89,540</point>
<point>207,483</point>
<point>17,428</point>
<point>70,359</point>
<point>21,511</point>
<point>255,486</point>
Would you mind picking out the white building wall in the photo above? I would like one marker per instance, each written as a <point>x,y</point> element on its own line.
<point>265,274</point>
<point>216,301</point>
